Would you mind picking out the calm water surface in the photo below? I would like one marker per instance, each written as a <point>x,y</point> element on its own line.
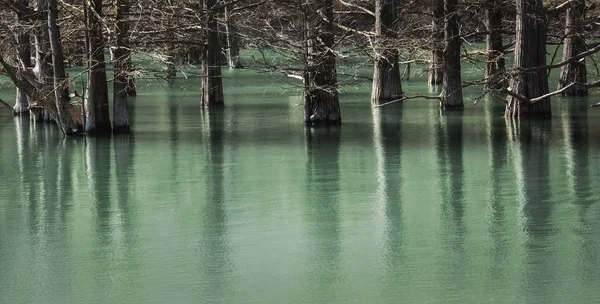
<point>245,205</point>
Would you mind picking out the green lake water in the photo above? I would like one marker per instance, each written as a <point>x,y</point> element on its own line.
<point>401,204</point>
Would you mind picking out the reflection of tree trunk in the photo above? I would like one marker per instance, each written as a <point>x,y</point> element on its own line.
<point>436,68</point>
<point>24,48</point>
<point>577,154</point>
<point>530,51</point>
<point>573,46</point>
<point>321,100</point>
<point>212,82</point>
<point>233,54</point>
<point>452,97</point>
<point>495,64</point>
<point>97,120</point>
<point>323,186</point>
<point>531,159</point>
<point>386,75</point>
<point>388,147</point>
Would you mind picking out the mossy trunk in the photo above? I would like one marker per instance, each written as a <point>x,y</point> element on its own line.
<point>530,51</point>
<point>452,97</point>
<point>436,67</point>
<point>573,46</point>
<point>212,82</point>
<point>387,84</point>
<point>321,100</point>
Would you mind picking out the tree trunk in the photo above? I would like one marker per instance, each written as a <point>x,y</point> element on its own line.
<point>233,54</point>
<point>573,46</point>
<point>43,58</point>
<point>436,69</point>
<point>24,48</point>
<point>530,51</point>
<point>387,85</point>
<point>495,63</point>
<point>97,119</point>
<point>60,81</point>
<point>122,68</point>
<point>321,100</point>
<point>452,97</point>
<point>212,82</point>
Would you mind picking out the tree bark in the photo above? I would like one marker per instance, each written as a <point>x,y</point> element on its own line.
<point>530,51</point>
<point>64,115</point>
<point>212,82</point>
<point>452,97</point>
<point>321,100</point>
<point>97,119</point>
<point>495,63</point>
<point>43,58</point>
<point>573,46</point>
<point>122,68</point>
<point>233,54</point>
<point>436,68</point>
<point>387,85</point>
<point>24,50</point>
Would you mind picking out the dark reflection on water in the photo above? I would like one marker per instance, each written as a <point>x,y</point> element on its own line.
<point>322,211</point>
<point>214,251</point>
<point>387,136</point>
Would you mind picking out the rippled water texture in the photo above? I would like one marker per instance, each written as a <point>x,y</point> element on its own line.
<point>245,205</point>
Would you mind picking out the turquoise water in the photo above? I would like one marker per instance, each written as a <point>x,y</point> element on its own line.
<point>246,205</point>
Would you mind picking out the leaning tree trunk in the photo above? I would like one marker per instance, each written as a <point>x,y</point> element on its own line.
<point>233,53</point>
<point>64,115</point>
<point>530,51</point>
<point>122,68</point>
<point>387,85</point>
<point>436,68</point>
<point>573,46</point>
<point>452,97</point>
<point>321,100</point>
<point>212,82</point>
<point>97,119</point>
<point>495,63</point>
<point>24,48</point>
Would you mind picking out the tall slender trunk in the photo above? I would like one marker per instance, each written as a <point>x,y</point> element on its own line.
<point>573,46</point>
<point>495,63</point>
<point>97,119</point>
<point>60,81</point>
<point>387,84</point>
<point>43,56</point>
<point>436,68</point>
<point>321,100</point>
<point>452,97</point>
<point>24,48</point>
<point>122,68</point>
<point>233,54</point>
<point>212,82</point>
<point>530,51</point>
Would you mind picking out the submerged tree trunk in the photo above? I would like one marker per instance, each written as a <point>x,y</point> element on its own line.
<point>212,82</point>
<point>233,53</point>
<point>573,46</point>
<point>452,97</point>
<point>495,63</point>
<point>24,48</point>
<point>387,85</point>
<point>321,100</point>
<point>530,51</point>
<point>97,119</point>
<point>122,68</point>
<point>60,81</point>
<point>436,68</point>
